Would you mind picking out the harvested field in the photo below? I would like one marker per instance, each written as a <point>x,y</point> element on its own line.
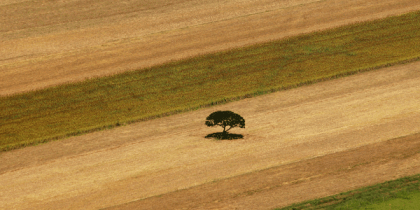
<point>161,156</point>
<point>338,126</point>
<point>68,110</point>
<point>290,183</point>
<point>45,43</point>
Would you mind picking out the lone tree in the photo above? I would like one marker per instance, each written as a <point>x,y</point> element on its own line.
<point>225,118</point>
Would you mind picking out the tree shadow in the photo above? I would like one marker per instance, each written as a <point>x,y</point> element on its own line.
<point>225,136</point>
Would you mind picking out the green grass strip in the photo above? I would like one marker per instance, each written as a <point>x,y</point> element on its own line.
<point>66,110</point>
<point>410,201</point>
<point>398,192</point>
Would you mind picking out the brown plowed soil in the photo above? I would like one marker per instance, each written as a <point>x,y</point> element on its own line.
<point>310,139</point>
<point>49,42</point>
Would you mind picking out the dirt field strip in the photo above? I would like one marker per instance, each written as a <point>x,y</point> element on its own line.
<point>150,158</point>
<point>49,43</point>
<point>287,184</point>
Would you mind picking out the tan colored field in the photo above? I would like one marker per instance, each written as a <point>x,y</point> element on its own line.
<point>160,156</point>
<point>48,42</point>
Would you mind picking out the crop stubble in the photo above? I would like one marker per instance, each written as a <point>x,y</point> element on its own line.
<point>45,43</point>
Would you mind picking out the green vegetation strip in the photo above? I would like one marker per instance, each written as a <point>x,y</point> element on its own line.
<point>66,110</point>
<point>410,201</point>
<point>401,194</point>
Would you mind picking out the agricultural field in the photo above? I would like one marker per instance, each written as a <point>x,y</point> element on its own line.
<point>336,126</point>
<point>301,142</point>
<point>45,43</point>
<point>57,112</point>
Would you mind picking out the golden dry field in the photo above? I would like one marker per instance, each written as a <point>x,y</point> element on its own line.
<point>298,144</point>
<point>50,42</point>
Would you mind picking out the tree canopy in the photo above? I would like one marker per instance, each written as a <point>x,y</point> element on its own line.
<point>224,119</point>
